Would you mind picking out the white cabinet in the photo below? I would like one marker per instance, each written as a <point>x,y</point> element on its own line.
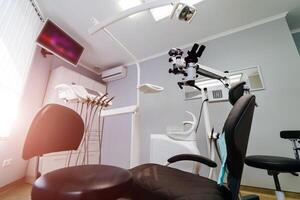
<point>58,160</point>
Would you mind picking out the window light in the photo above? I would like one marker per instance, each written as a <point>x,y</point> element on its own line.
<point>235,78</point>
<point>165,11</point>
<point>127,4</point>
<point>15,62</point>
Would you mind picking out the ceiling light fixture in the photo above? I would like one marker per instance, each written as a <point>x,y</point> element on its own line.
<point>165,11</point>
<point>181,11</point>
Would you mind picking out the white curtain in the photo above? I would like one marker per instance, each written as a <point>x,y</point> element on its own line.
<point>19,26</point>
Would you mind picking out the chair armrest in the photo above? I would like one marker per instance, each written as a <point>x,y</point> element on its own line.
<point>192,157</point>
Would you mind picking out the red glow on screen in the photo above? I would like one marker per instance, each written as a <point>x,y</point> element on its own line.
<point>60,43</point>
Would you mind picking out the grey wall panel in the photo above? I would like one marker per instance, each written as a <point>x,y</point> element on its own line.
<point>124,90</point>
<point>116,150</point>
<point>117,129</point>
<point>270,46</point>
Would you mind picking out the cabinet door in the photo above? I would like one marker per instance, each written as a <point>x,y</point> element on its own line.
<point>58,76</point>
<point>51,163</point>
<point>86,82</point>
<point>93,158</point>
<point>92,84</point>
<point>99,87</point>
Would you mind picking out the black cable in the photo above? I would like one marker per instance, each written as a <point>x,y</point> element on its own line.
<point>217,148</point>
<point>200,114</point>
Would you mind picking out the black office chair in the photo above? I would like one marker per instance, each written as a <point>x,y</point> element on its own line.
<point>156,182</point>
<point>57,128</point>
<point>276,165</point>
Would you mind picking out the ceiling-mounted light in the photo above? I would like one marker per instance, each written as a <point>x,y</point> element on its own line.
<point>127,4</point>
<point>165,11</point>
<point>182,11</point>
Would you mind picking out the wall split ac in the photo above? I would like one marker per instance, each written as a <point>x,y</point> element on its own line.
<point>114,74</point>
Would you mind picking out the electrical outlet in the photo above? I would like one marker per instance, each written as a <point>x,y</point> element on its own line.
<point>7,162</point>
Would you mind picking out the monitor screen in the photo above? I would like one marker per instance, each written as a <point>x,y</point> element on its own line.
<point>58,42</point>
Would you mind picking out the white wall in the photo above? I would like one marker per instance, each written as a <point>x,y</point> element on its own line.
<point>270,46</point>
<point>57,62</point>
<point>117,129</point>
<point>31,101</point>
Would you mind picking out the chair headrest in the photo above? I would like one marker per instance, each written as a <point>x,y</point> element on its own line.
<point>236,91</point>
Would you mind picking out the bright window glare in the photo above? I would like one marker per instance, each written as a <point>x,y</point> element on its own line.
<point>10,85</point>
<point>165,11</point>
<point>127,4</point>
<point>9,110</point>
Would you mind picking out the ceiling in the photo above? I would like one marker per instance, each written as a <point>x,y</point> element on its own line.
<point>144,37</point>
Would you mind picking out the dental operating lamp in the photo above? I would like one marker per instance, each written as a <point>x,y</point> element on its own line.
<point>181,11</point>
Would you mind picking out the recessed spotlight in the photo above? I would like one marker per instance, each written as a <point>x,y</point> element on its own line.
<point>127,4</point>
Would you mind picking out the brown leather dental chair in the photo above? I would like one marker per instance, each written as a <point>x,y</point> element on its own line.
<point>57,128</point>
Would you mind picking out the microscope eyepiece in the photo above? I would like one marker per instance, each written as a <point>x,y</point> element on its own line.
<point>175,52</point>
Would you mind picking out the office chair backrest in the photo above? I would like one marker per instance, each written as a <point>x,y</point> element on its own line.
<point>54,128</point>
<point>236,92</point>
<point>237,129</point>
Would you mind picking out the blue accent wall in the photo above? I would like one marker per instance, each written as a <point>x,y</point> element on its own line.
<point>296,37</point>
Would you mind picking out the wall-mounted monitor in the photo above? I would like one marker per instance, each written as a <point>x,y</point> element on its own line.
<point>55,40</point>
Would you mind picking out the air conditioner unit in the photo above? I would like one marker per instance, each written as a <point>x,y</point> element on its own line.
<point>114,74</point>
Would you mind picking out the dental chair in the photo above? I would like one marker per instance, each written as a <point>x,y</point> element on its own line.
<point>157,182</point>
<point>57,128</point>
<point>276,165</point>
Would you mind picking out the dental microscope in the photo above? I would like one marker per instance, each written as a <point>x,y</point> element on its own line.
<point>190,70</point>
